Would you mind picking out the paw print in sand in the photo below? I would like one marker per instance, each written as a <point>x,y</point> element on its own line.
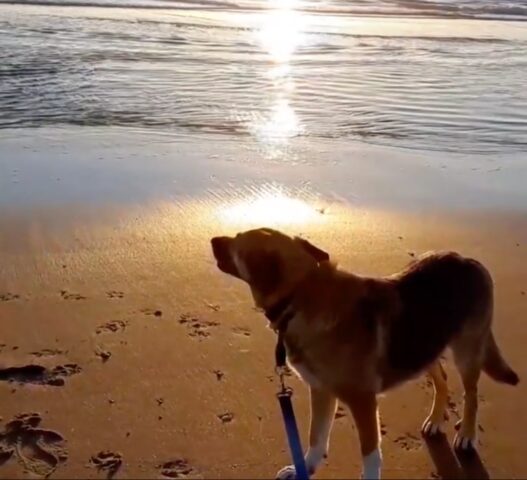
<point>112,327</point>
<point>38,450</point>
<point>179,468</point>
<point>196,327</point>
<point>115,294</point>
<point>8,297</point>
<point>71,296</point>
<point>107,462</point>
<point>408,442</point>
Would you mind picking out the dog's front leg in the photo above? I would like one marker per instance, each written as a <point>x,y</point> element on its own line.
<point>323,406</point>
<point>363,406</point>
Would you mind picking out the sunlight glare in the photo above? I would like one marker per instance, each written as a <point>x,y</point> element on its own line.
<point>271,208</point>
<point>281,31</point>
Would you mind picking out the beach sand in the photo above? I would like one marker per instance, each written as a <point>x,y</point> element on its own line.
<point>130,136</point>
<point>167,369</point>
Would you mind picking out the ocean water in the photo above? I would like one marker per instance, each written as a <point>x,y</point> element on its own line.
<point>445,75</point>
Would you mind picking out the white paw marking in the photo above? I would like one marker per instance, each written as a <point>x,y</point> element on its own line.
<point>431,428</point>
<point>286,473</point>
<point>314,456</point>
<point>371,465</point>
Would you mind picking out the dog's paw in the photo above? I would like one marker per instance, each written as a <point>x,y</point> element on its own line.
<point>464,444</point>
<point>431,428</point>
<point>286,473</point>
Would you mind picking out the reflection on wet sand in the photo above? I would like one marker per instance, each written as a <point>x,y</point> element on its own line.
<point>271,208</point>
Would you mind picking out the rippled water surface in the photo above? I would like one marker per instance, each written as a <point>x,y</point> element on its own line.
<point>445,75</point>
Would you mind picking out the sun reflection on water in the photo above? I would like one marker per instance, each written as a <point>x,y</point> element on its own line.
<point>279,125</point>
<point>280,34</point>
<point>281,30</point>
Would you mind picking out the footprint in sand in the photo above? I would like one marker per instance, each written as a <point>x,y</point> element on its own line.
<point>219,374</point>
<point>226,417</point>
<point>38,450</point>
<point>213,306</point>
<point>408,442</point>
<point>243,331</point>
<point>71,296</point>
<point>197,327</point>
<point>177,469</point>
<point>102,353</point>
<point>48,352</point>
<point>107,462</point>
<point>114,294</point>
<point>152,312</point>
<point>8,297</point>
<point>66,370</point>
<point>111,327</point>
<point>39,375</point>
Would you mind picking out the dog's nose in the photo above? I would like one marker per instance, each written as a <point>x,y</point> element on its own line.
<point>219,245</point>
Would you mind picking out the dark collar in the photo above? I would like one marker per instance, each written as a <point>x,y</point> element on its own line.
<point>280,313</point>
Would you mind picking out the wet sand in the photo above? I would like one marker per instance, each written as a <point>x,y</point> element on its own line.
<point>136,357</point>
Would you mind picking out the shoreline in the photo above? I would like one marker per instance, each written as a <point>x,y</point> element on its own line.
<point>116,166</point>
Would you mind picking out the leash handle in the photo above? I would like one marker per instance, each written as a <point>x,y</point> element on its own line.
<point>293,437</point>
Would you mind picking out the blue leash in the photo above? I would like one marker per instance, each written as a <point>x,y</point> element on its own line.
<point>295,445</point>
<point>286,406</point>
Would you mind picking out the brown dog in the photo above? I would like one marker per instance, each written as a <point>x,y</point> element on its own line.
<point>351,338</point>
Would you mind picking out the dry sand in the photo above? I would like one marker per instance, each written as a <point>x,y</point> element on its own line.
<point>146,361</point>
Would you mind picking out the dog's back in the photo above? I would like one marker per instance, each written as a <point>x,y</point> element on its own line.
<point>440,295</point>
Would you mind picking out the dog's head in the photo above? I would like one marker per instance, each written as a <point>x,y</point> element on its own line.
<point>271,262</point>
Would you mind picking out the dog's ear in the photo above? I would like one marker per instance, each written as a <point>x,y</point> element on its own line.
<point>265,270</point>
<point>318,254</point>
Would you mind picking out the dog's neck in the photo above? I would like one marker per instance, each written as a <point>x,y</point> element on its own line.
<point>279,309</point>
<point>280,312</point>
<point>282,307</point>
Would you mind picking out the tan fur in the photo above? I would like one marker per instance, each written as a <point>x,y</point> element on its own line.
<point>363,407</point>
<point>438,413</point>
<point>352,337</point>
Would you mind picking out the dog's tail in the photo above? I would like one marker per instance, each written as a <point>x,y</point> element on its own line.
<point>495,366</point>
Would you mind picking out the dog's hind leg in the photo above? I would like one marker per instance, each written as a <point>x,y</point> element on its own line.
<point>468,356</point>
<point>433,423</point>
<point>466,436</point>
